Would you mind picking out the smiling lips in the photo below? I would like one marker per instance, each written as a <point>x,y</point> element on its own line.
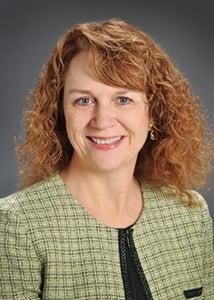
<point>102,143</point>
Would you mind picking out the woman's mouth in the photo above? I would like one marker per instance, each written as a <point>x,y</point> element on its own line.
<point>105,143</point>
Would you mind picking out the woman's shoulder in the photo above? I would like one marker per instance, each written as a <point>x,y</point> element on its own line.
<point>166,211</point>
<point>171,194</point>
<point>168,200</point>
<point>32,196</point>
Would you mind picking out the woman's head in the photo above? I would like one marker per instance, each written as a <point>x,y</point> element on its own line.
<point>122,55</point>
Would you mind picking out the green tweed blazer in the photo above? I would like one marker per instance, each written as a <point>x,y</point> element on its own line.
<point>52,249</point>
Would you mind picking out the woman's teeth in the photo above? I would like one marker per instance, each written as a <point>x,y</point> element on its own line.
<point>106,141</point>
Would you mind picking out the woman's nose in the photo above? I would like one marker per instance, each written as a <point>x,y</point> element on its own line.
<point>103,118</point>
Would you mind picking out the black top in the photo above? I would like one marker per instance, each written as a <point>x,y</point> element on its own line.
<point>134,280</point>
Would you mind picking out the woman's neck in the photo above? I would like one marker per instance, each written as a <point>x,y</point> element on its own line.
<point>113,198</point>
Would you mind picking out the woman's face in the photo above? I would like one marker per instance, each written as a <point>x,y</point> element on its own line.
<point>107,126</point>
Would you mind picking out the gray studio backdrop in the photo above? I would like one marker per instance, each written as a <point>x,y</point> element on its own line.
<point>29,30</point>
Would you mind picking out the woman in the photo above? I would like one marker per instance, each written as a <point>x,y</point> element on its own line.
<point>115,144</point>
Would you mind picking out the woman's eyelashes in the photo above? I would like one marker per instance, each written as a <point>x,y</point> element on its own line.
<point>123,100</point>
<point>84,101</point>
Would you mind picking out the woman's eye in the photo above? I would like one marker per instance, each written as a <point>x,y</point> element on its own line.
<point>123,100</point>
<point>83,101</point>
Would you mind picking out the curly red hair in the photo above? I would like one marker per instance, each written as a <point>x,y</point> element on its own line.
<point>123,56</point>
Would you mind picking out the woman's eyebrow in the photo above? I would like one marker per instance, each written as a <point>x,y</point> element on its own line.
<point>118,92</point>
<point>79,91</point>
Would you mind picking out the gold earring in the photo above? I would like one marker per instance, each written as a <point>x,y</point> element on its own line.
<point>153,135</point>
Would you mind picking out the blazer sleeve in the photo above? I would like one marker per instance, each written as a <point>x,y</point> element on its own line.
<point>208,257</point>
<point>20,267</point>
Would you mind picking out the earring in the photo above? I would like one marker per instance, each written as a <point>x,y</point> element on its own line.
<point>153,135</point>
